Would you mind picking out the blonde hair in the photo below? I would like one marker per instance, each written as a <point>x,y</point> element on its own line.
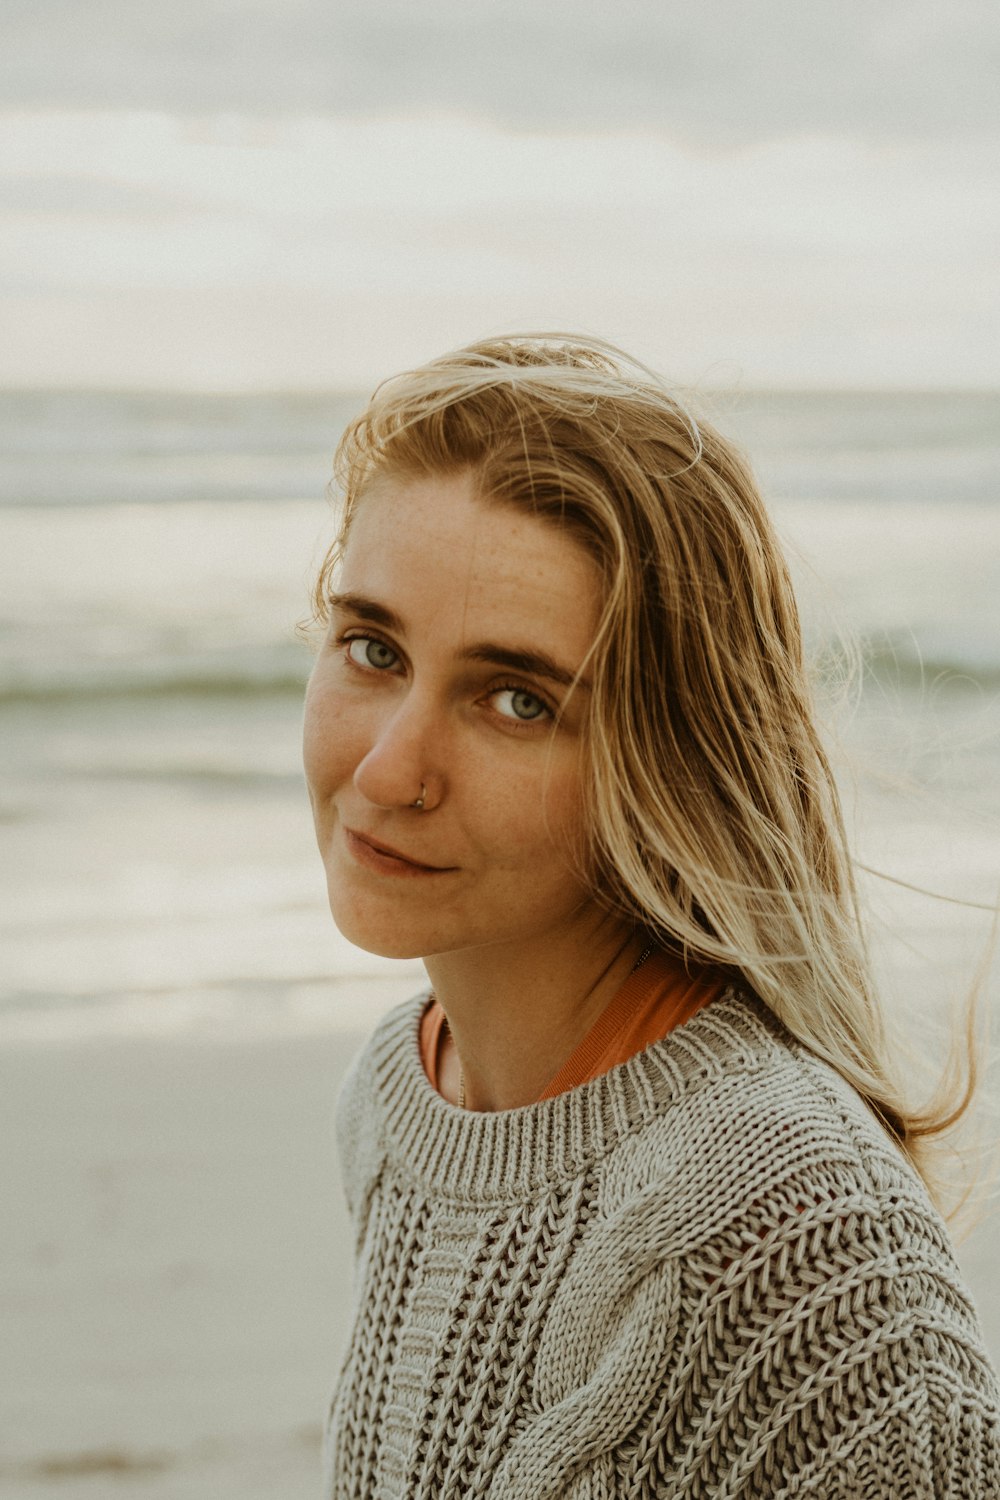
<point>716,821</point>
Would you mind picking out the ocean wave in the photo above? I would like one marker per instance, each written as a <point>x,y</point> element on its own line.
<point>342,1002</point>
<point>86,448</point>
<point>184,679</point>
<point>901,658</point>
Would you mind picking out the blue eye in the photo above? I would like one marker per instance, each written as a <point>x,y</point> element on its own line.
<point>366,651</point>
<point>523,706</point>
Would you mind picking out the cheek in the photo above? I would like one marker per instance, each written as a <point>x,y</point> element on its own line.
<point>567,825</point>
<point>326,751</point>
<point>567,818</point>
<point>541,822</point>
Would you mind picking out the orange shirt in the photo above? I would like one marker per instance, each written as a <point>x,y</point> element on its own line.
<point>655,998</point>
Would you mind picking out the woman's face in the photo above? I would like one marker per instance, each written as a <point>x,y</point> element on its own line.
<point>455,630</point>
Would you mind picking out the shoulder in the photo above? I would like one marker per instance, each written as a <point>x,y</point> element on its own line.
<point>819,1328</point>
<point>738,1107</point>
<point>754,1110</point>
<point>767,1143</point>
<point>774,1188</point>
<point>358,1120</point>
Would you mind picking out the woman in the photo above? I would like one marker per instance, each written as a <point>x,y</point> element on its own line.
<point>636,1189</point>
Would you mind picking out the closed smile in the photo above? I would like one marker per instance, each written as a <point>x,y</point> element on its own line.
<point>375,855</point>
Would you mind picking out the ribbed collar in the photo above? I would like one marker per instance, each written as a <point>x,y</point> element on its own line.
<point>507,1155</point>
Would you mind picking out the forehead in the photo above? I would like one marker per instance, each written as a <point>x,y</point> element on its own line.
<point>466,568</point>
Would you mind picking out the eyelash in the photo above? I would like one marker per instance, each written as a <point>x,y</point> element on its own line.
<point>345,641</point>
<point>547,716</point>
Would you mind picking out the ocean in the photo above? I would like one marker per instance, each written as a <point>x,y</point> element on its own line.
<point>156,552</point>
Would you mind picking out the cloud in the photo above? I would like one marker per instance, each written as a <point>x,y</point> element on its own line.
<point>235,251</point>
<point>703,71</point>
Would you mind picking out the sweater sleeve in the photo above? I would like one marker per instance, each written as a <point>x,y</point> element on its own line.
<point>924,1441</point>
<point>807,1366</point>
<point>834,1355</point>
<point>808,1337</point>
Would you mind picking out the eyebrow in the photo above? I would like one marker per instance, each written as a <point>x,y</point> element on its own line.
<point>531,663</point>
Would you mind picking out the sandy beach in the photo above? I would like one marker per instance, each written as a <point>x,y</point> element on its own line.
<point>176,1274</point>
<point>175,1278</point>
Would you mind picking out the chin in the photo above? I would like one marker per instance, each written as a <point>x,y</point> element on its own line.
<point>381,937</point>
<point>385,947</point>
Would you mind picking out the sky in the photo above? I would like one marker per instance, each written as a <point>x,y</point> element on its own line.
<point>233,195</point>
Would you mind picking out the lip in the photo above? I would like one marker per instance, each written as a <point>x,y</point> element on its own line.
<point>386,860</point>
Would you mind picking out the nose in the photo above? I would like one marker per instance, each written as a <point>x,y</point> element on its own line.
<point>403,757</point>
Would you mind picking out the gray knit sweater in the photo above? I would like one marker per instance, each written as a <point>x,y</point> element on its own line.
<point>707,1273</point>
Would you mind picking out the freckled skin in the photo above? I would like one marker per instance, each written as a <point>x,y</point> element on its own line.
<point>388,710</point>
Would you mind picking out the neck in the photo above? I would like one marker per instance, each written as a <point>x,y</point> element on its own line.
<point>515,1014</point>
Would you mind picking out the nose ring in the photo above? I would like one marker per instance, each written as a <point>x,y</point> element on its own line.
<point>419,803</point>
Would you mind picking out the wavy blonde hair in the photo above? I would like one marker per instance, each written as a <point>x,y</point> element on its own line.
<point>716,823</point>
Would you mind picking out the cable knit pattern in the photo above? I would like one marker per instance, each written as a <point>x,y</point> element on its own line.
<point>707,1273</point>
